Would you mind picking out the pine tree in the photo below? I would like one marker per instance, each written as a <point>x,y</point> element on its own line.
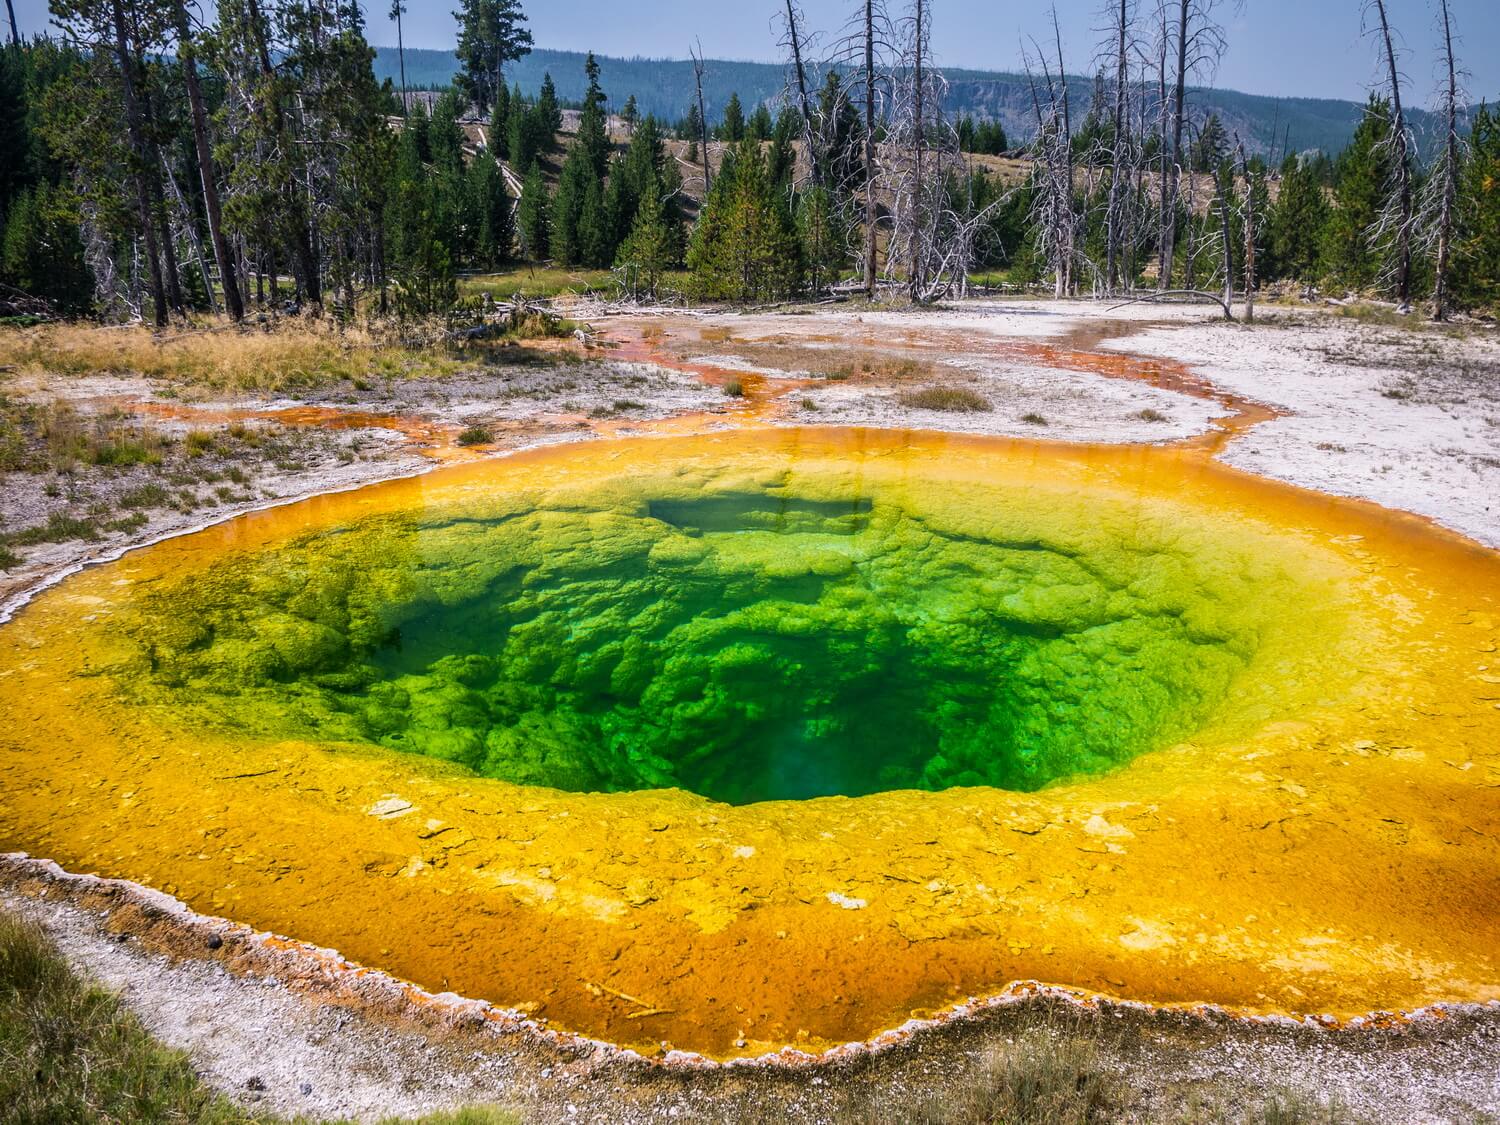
<point>650,250</point>
<point>595,246</point>
<point>491,33</point>
<point>824,237</point>
<point>733,129</point>
<point>1477,254</point>
<point>1211,147</point>
<point>782,163</point>
<point>422,263</point>
<point>759,127</point>
<point>567,207</point>
<point>499,132</point>
<point>843,140</point>
<point>550,112</point>
<point>746,247</point>
<point>631,114</point>
<point>41,253</point>
<point>1360,177</point>
<point>593,137</point>
<point>530,136</point>
<point>1296,223</point>
<point>494,217</point>
<point>533,217</point>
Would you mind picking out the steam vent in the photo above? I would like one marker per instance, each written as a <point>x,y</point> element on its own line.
<point>778,738</point>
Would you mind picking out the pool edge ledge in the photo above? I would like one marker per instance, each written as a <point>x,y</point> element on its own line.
<point>317,975</point>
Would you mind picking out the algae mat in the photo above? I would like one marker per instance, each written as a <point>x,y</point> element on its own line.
<point>763,739</point>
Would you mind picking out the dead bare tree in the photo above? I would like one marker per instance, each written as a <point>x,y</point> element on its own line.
<point>1224,178</point>
<point>1251,224</point>
<point>696,52</point>
<point>794,41</point>
<point>1120,144</point>
<point>1054,211</point>
<point>872,210</point>
<point>1440,195</point>
<point>862,52</point>
<point>1393,230</point>
<point>1199,43</point>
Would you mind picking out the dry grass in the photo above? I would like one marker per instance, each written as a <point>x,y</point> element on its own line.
<point>952,400</point>
<point>296,355</point>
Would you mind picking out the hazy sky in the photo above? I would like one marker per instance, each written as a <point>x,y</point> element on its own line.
<point>1307,47</point>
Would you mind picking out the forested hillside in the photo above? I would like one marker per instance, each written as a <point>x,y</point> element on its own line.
<point>664,88</point>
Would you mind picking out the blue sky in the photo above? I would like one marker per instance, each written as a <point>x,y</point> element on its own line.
<point>1289,47</point>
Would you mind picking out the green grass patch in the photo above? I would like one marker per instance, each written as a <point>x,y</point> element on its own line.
<point>475,435</point>
<point>70,1052</point>
<point>59,528</point>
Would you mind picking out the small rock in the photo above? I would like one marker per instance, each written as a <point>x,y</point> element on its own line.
<point>257,1084</point>
<point>306,1089</point>
<point>215,941</point>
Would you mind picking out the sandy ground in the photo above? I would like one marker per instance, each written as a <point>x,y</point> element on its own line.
<point>1407,419</point>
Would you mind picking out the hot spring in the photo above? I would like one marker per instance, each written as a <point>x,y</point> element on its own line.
<point>794,735</point>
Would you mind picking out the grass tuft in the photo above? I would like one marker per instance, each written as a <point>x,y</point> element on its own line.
<point>70,1052</point>
<point>954,400</point>
<point>734,389</point>
<point>475,435</point>
<point>1034,419</point>
<point>1044,1078</point>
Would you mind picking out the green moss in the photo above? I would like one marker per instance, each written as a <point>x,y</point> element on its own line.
<point>746,641</point>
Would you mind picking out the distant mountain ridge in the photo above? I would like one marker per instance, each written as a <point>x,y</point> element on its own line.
<point>665,87</point>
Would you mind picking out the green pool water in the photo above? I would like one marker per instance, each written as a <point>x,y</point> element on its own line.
<point>749,640</point>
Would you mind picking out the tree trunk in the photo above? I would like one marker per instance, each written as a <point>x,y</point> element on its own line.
<point>1174,170</point>
<point>1070,234</point>
<point>1116,175</point>
<point>814,158</point>
<point>401,55</point>
<point>138,158</point>
<point>15,34</point>
<point>1402,186</point>
<point>305,262</point>
<point>1226,187</point>
<point>228,277</point>
<point>708,182</point>
<point>185,213</point>
<point>918,240</point>
<point>870,202</point>
<point>1250,221</point>
<point>1449,187</point>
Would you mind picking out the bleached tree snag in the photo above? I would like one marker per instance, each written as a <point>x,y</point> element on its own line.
<point>1200,45</point>
<point>1443,183</point>
<point>794,42</point>
<point>1250,229</point>
<point>697,55</point>
<point>1225,179</point>
<point>1396,220</point>
<point>1119,150</point>
<point>871,210</point>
